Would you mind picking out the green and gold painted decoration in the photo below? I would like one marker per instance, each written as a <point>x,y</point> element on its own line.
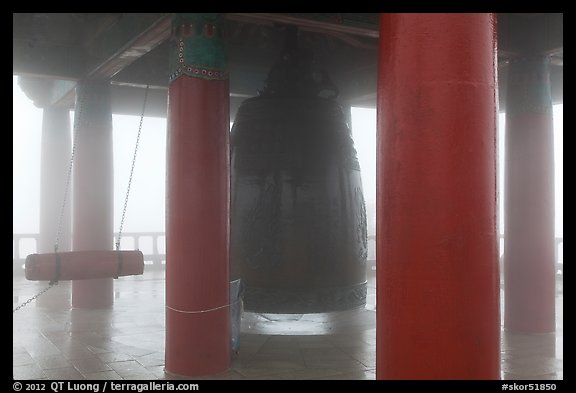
<point>197,47</point>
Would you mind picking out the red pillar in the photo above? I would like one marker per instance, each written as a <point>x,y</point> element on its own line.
<point>437,277</point>
<point>93,205</point>
<point>197,209</point>
<point>55,163</point>
<point>529,264</point>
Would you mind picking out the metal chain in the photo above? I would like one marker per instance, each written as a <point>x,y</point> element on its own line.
<point>132,170</point>
<point>69,175</point>
<point>50,285</point>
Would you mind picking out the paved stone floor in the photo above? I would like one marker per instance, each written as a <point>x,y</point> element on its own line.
<point>52,341</point>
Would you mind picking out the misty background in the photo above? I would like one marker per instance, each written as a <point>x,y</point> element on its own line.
<point>146,205</point>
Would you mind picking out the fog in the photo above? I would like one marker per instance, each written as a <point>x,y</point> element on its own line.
<point>147,197</point>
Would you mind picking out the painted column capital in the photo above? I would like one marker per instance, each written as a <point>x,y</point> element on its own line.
<point>197,46</point>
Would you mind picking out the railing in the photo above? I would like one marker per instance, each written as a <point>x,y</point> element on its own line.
<point>22,245</point>
<point>153,246</point>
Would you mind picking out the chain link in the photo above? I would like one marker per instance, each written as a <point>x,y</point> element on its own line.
<point>50,285</point>
<point>132,170</point>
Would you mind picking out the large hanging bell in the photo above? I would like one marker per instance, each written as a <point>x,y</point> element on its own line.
<point>298,218</point>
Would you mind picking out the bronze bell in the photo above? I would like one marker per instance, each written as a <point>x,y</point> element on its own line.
<point>298,237</point>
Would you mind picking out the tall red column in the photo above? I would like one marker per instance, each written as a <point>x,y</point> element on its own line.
<point>529,280</point>
<point>197,209</point>
<point>93,205</point>
<point>437,272</point>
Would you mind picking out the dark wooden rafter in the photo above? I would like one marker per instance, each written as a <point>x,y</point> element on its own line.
<point>130,49</point>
